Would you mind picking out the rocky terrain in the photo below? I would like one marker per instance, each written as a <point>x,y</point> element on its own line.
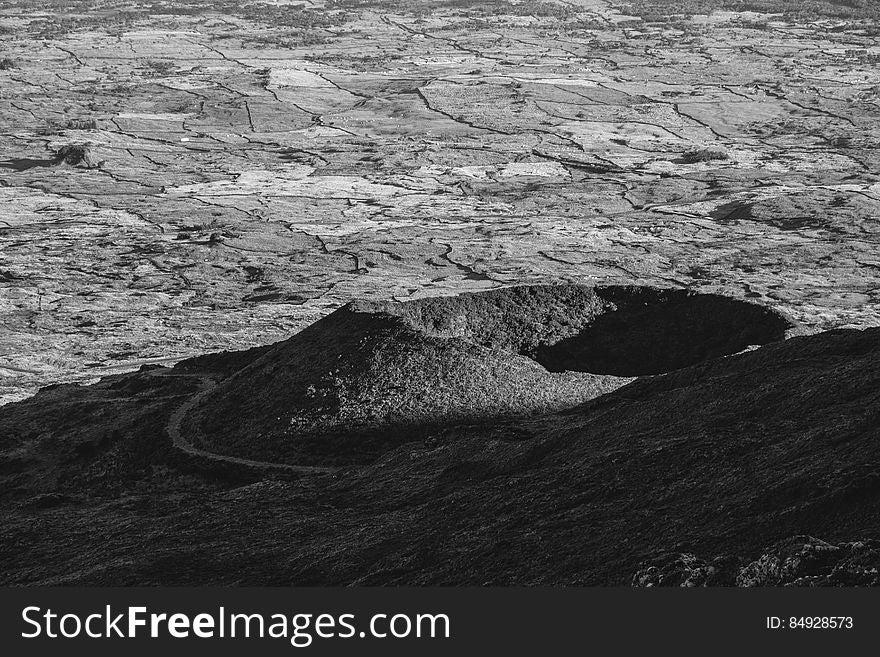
<point>456,292</point>
<point>797,561</point>
<point>190,176</point>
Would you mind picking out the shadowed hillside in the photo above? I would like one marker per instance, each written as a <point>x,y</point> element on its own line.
<point>724,457</point>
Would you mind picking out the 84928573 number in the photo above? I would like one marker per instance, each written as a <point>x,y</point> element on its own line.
<point>820,622</point>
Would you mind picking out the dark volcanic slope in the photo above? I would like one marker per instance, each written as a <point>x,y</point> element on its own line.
<point>725,457</point>
<point>372,376</point>
<point>721,458</point>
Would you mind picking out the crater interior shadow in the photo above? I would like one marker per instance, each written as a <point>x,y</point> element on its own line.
<point>664,336</point>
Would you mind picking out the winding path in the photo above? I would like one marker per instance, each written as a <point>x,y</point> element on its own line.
<point>175,420</point>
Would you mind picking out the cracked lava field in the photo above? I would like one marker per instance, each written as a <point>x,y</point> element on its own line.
<point>250,167</point>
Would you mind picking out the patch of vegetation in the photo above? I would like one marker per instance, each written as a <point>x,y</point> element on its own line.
<point>291,39</point>
<point>709,154</point>
<point>77,155</point>
<point>839,142</point>
<point>296,16</point>
<point>161,66</point>
<point>119,90</point>
<point>56,127</point>
<point>663,10</point>
<point>81,124</point>
<point>81,15</point>
<point>538,8</point>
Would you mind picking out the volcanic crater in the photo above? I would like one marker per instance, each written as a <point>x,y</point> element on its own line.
<point>374,375</point>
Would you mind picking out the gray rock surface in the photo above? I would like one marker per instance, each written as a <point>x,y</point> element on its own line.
<point>259,165</point>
